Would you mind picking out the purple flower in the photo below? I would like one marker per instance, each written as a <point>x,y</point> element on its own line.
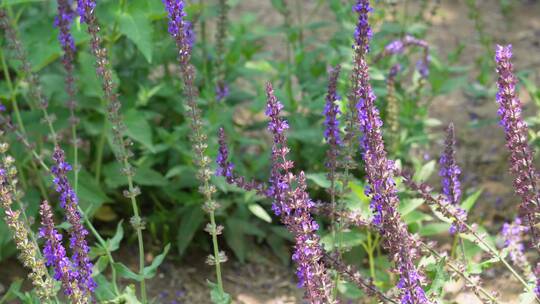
<point>180,29</point>
<point>331,110</point>
<point>222,91</point>
<point>63,21</point>
<point>363,32</point>
<point>512,234</point>
<point>398,47</point>
<point>381,186</point>
<point>521,157</point>
<point>85,8</point>
<point>449,170</point>
<point>293,205</point>
<point>55,254</point>
<point>225,168</point>
<point>78,244</point>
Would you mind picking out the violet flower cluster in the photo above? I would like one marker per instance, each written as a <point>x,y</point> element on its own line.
<point>382,188</point>
<point>55,255</point>
<point>180,29</point>
<point>449,172</point>
<point>331,131</point>
<point>521,156</point>
<point>69,201</point>
<point>398,47</point>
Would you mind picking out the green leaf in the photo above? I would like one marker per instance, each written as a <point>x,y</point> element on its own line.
<point>320,179</point>
<point>149,177</point>
<point>139,129</point>
<point>349,239</point>
<point>123,271</point>
<point>235,237</point>
<point>425,172</point>
<point>433,229</point>
<point>90,193</point>
<point>138,29</point>
<point>469,202</point>
<point>260,212</point>
<point>101,264</point>
<point>114,243</point>
<point>217,296</point>
<point>150,271</point>
<point>11,294</point>
<point>190,223</point>
<point>409,205</point>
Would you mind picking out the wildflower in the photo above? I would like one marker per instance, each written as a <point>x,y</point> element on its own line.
<point>521,157</point>
<point>381,186</point>
<point>69,201</point>
<point>293,205</point>
<point>55,254</point>
<point>449,170</point>
<point>180,29</point>
<point>398,47</point>
<point>512,234</point>
<point>222,89</point>
<point>29,251</point>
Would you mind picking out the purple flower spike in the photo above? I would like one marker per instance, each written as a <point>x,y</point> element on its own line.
<point>381,187</point>
<point>180,29</point>
<point>63,21</point>
<point>521,157</point>
<point>449,170</point>
<point>225,168</point>
<point>55,255</point>
<point>293,205</point>
<point>363,32</point>
<point>85,8</point>
<point>78,244</point>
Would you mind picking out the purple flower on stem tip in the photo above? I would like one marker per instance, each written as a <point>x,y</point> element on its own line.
<point>293,205</point>
<point>363,32</point>
<point>381,187</point>
<point>63,21</point>
<point>398,47</point>
<point>512,234</point>
<point>78,244</point>
<point>85,8</point>
<point>222,90</point>
<point>521,157</point>
<point>225,168</point>
<point>180,29</point>
<point>449,170</point>
<point>55,255</point>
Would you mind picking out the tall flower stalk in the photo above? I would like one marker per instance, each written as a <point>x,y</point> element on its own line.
<point>64,21</point>
<point>123,153</point>
<point>382,188</point>
<point>29,255</point>
<point>516,130</point>
<point>293,205</point>
<point>181,32</point>
<point>78,245</point>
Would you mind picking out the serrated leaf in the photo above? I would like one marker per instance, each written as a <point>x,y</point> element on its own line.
<point>138,29</point>
<point>150,271</point>
<point>259,212</point>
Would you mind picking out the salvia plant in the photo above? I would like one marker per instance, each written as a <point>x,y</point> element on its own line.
<point>338,166</point>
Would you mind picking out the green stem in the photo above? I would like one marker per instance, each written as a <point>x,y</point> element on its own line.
<point>100,147</point>
<point>138,228</point>
<point>216,252</point>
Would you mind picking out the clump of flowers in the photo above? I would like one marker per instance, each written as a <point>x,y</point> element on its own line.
<point>512,234</point>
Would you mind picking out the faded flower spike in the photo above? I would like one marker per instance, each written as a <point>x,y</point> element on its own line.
<point>521,157</point>
<point>55,254</point>
<point>69,201</point>
<point>29,251</point>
